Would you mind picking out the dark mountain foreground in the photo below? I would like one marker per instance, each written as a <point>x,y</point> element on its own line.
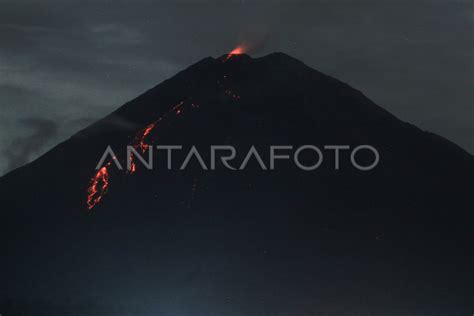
<point>394,240</point>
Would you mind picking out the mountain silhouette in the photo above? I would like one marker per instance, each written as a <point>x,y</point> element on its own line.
<point>394,240</point>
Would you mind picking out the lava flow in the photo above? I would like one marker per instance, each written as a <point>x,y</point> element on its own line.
<point>139,140</point>
<point>99,185</point>
<point>147,130</point>
<point>140,143</point>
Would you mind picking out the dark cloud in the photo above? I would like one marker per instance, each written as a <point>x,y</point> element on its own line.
<point>23,148</point>
<point>67,60</point>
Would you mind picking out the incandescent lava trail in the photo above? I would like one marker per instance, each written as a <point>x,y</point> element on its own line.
<point>99,185</point>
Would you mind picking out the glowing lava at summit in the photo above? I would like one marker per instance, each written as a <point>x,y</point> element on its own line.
<point>239,50</point>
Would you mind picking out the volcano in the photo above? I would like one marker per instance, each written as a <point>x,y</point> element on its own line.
<point>394,240</point>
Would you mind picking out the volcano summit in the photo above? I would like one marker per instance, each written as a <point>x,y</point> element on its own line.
<point>393,240</point>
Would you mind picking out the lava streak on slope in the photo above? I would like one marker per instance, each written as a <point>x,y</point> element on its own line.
<point>99,185</point>
<point>140,143</point>
<point>140,138</point>
<point>144,146</point>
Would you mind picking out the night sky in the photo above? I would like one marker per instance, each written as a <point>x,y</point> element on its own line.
<point>65,64</point>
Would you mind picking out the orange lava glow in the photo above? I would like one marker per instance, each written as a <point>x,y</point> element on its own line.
<point>236,51</point>
<point>140,138</point>
<point>98,187</point>
<point>133,166</point>
<point>143,134</point>
<point>139,143</point>
<point>99,184</point>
